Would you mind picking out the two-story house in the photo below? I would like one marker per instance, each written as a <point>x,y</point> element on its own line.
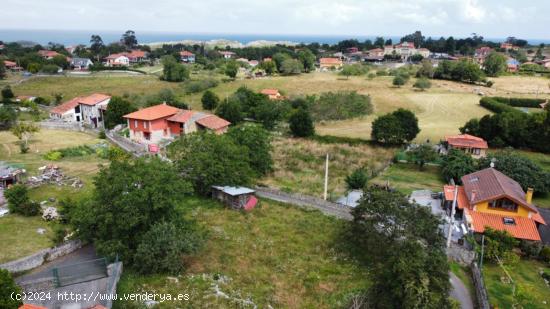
<point>488,198</point>
<point>68,111</point>
<point>187,56</point>
<point>92,108</point>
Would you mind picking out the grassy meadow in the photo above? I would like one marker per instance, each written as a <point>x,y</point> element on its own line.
<point>300,164</point>
<point>276,255</point>
<point>407,178</point>
<point>22,239</point>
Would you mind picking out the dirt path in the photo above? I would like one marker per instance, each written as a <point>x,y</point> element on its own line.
<point>460,292</point>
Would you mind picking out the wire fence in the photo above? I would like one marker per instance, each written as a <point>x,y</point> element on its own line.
<point>80,272</point>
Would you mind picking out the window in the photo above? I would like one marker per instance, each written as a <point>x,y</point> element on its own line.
<point>135,123</point>
<point>503,204</point>
<point>145,124</point>
<point>477,151</point>
<point>509,221</point>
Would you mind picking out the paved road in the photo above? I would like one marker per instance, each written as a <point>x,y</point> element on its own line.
<point>460,292</point>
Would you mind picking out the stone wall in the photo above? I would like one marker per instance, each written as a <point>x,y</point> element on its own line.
<point>39,258</point>
<point>479,285</point>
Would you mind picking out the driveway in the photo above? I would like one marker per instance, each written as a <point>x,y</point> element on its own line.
<point>460,292</point>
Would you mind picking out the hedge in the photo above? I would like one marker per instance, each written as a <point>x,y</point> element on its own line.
<point>496,106</point>
<point>521,102</point>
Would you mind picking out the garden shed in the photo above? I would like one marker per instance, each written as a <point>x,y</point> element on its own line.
<point>235,197</point>
<point>9,175</point>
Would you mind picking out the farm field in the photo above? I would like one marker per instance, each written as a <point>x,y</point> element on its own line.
<point>276,255</point>
<point>529,284</point>
<point>26,240</point>
<point>300,165</point>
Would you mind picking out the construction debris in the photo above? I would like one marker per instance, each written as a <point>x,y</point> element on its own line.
<point>50,213</point>
<point>52,174</point>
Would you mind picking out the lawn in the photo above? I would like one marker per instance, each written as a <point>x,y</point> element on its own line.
<point>407,178</point>
<point>528,282</point>
<point>276,255</point>
<point>22,238</point>
<point>300,164</point>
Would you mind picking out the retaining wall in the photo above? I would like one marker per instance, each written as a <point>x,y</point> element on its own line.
<point>479,285</point>
<point>39,258</point>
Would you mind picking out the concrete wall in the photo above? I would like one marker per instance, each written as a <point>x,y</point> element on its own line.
<point>37,259</point>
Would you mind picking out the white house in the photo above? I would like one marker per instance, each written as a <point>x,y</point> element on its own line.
<point>117,60</point>
<point>68,111</point>
<point>227,54</point>
<point>92,109</point>
<point>81,64</point>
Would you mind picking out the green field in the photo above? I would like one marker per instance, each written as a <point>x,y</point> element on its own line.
<point>275,255</point>
<point>407,178</point>
<point>529,284</point>
<point>18,235</point>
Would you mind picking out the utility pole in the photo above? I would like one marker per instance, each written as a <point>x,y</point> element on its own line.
<point>326,178</point>
<point>451,218</point>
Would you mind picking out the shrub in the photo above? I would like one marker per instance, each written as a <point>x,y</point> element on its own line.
<point>357,180</point>
<point>301,123</point>
<point>102,135</point>
<point>341,105</point>
<point>399,81</point>
<point>495,106</point>
<point>422,84</point>
<point>7,288</point>
<point>195,86</point>
<point>49,69</point>
<point>53,155</point>
<point>19,202</point>
<point>530,249</point>
<point>545,254</point>
<point>209,100</point>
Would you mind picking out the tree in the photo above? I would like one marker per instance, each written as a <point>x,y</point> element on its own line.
<point>230,110</point>
<point>118,107</point>
<point>279,58</point>
<point>426,69</point>
<point>357,179</point>
<point>268,66</point>
<point>291,66</point>
<point>471,127</point>
<point>209,100</point>
<point>60,61</point>
<point>410,270</point>
<point>8,117</point>
<point>19,201</point>
<point>395,128</point>
<point>207,159</point>
<point>379,42</point>
<point>7,94</point>
<point>498,244</point>
<point>24,131</point>
<point>96,44</point>
<point>139,194</point>
<point>526,172</point>
<point>409,122</point>
<point>307,58</point>
<point>2,70</point>
<point>173,71</point>
<point>417,38</point>
<point>129,39</point>
<point>162,247</point>
<point>398,81</point>
<point>8,289</point>
<point>301,123</point>
<point>231,69</point>
<point>422,84</point>
<point>494,64</point>
<point>457,164</point>
<point>423,154</point>
<point>257,141</point>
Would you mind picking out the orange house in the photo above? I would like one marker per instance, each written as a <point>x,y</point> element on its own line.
<point>329,63</point>
<point>272,94</point>
<point>488,198</point>
<point>475,146</point>
<point>164,122</point>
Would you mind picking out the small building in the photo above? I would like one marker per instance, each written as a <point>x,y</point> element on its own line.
<point>330,63</point>
<point>136,56</point>
<point>488,198</point>
<point>92,108</point>
<point>253,63</point>
<point>475,146</point>
<point>376,52</point>
<point>9,175</point>
<point>272,94</point>
<point>512,65</point>
<point>117,60</point>
<point>48,54</point>
<point>68,111</point>
<point>81,64</point>
<point>227,54</point>
<point>12,66</point>
<point>187,56</point>
<point>482,53</point>
<point>235,197</point>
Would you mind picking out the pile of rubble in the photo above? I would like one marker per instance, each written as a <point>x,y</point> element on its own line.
<point>51,174</point>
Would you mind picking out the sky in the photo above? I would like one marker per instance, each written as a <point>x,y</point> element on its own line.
<point>460,18</point>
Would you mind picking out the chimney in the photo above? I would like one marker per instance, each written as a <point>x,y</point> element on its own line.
<point>529,195</point>
<point>473,197</point>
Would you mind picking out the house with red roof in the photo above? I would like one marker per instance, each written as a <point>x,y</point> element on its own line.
<point>48,54</point>
<point>136,56</point>
<point>153,124</point>
<point>117,60</point>
<point>68,111</point>
<point>330,63</point>
<point>12,66</point>
<point>488,198</point>
<point>272,94</point>
<point>187,56</point>
<point>482,53</point>
<point>473,145</point>
<point>226,54</point>
<point>92,109</point>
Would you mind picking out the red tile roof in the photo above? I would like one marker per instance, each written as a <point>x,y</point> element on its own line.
<point>48,53</point>
<point>229,53</point>
<point>213,122</point>
<point>94,99</point>
<point>269,91</point>
<point>98,307</point>
<point>182,116</point>
<point>62,108</point>
<point>186,53</point>
<point>489,184</point>
<point>330,61</point>
<point>9,63</point>
<point>461,198</point>
<point>29,306</point>
<point>466,140</point>
<point>524,228</point>
<point>136,53</point>
<point>153,112</point>
<point>115,56</point>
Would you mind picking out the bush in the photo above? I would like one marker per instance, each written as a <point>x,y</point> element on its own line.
<point>399,81</point>
<point>19,202</point>
<point>530,249</point>
<point>341,105</point>
<point>7,288</point>
<point>357,180</point>
<point>53,155</point>
<point>545,254</point>
<point>102,135</point>
<point>495,106</point>
<point>50,69</point>
<point>163,246</point>
<point>422,84</point>
<point>301,123</point>
<point>209,100</point>
<point>195,86</point>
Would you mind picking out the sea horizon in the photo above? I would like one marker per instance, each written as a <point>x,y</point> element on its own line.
<point>75,37</point>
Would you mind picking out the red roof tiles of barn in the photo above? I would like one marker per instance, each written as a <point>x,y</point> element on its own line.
<point>466,140</point>
<point>153,112</point>
<point>213,122</point>
<point>62,108</point>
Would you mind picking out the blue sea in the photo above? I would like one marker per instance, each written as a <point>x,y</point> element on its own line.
<point>72,37</point>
